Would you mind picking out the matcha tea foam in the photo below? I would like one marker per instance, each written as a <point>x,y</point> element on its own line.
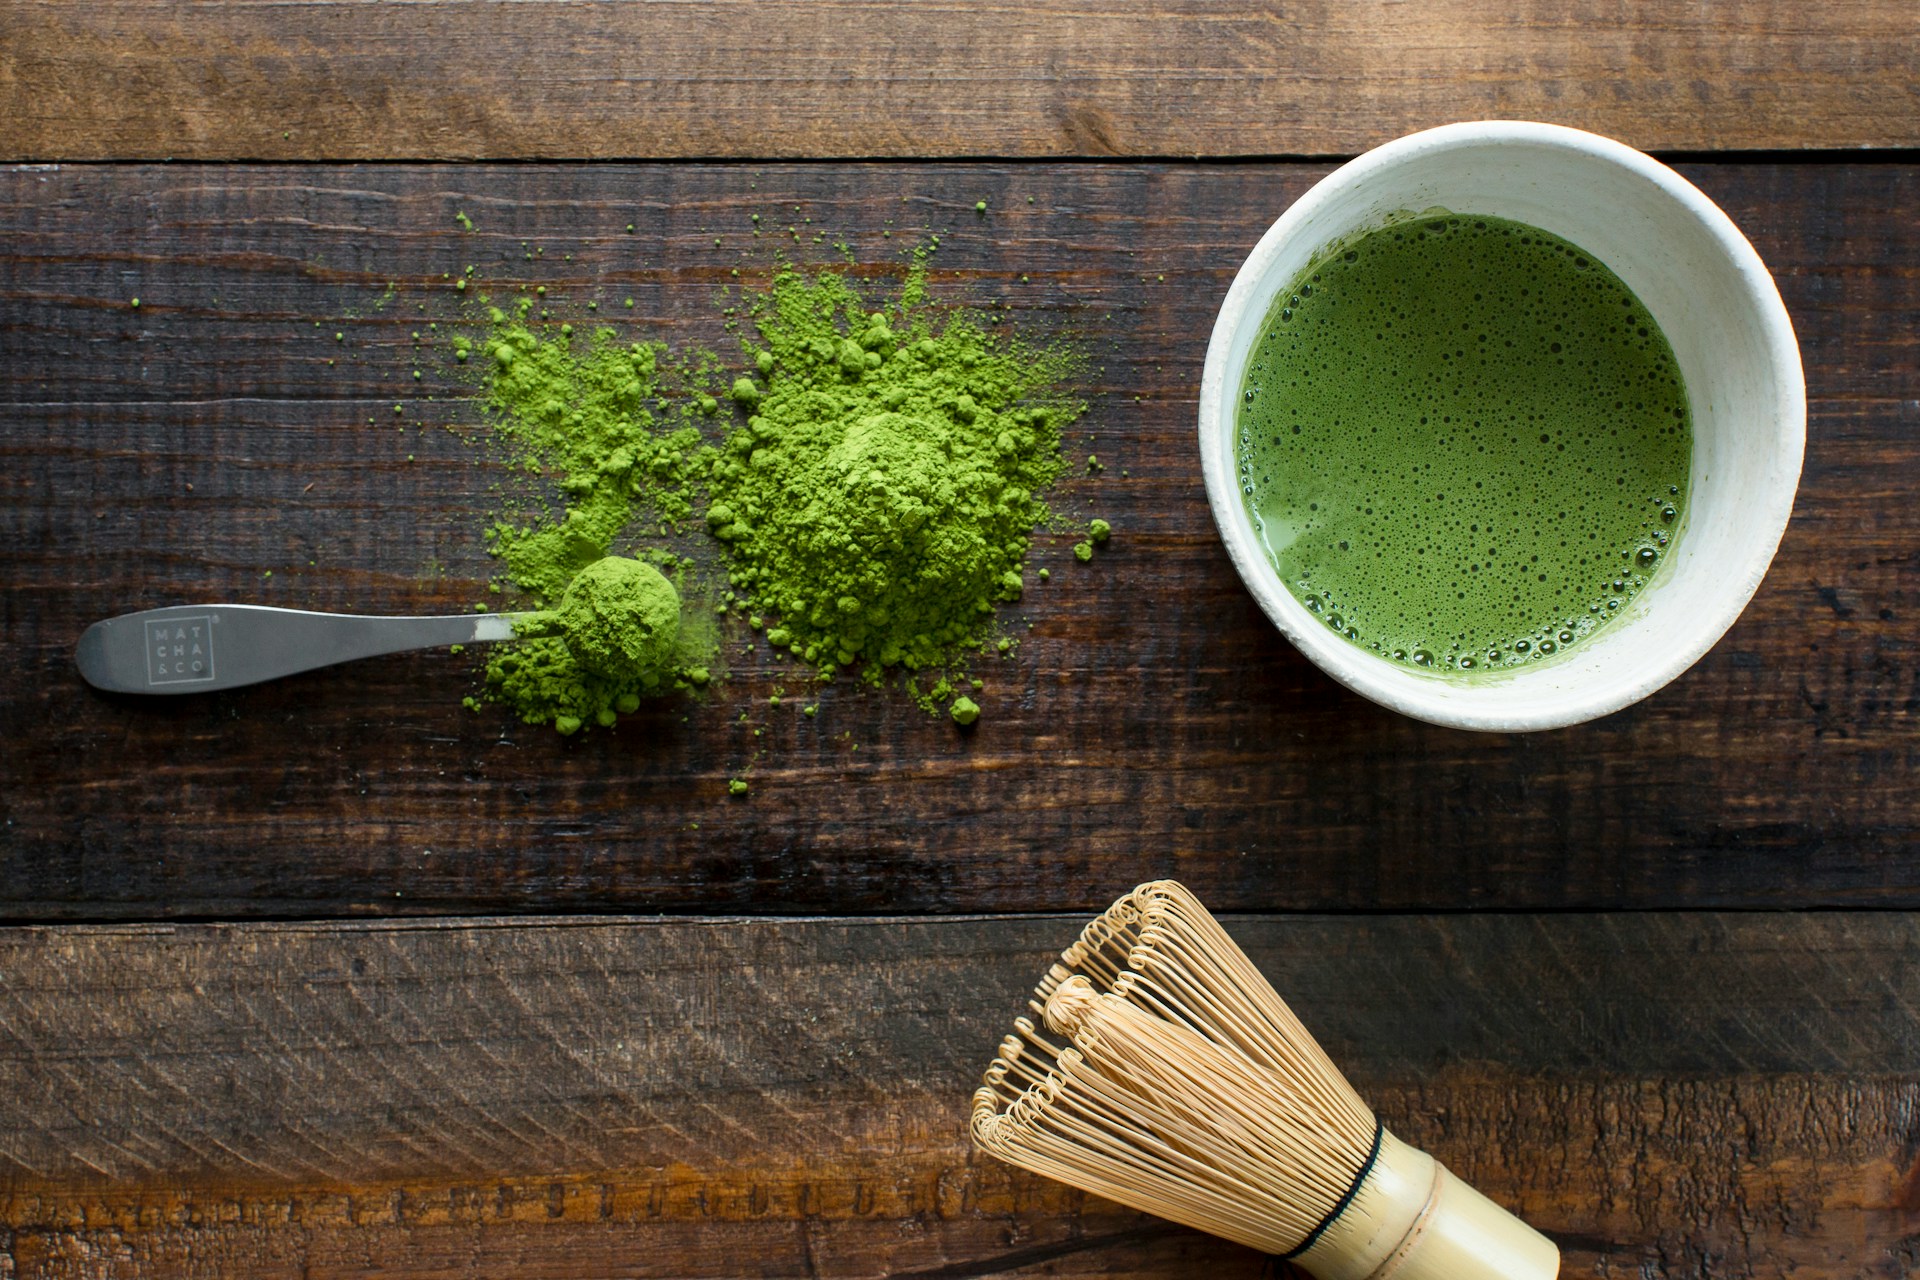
<point>1463,442</point>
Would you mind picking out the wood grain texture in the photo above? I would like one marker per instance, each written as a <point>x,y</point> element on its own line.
<point>334,79</point>
<point>1669,1095</point>
<point>1151,722</point>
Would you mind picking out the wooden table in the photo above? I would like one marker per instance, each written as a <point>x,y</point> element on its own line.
<point>333,978</point>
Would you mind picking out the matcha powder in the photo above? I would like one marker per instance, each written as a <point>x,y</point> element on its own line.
<point>881,497</point>
<point>578,411</point>
<point>620,618</point>
<point>613,640</point>
<point>607,632</point>
<point>878,500</point>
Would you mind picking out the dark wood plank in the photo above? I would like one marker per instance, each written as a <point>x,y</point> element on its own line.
<point>1668,1094</point>
<point>333,79</point>
<point>1152,722</point>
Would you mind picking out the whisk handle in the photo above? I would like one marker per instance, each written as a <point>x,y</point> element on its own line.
<point>1413,1219</point>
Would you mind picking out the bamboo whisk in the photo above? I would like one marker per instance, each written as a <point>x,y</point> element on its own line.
<point>1188,1089</point>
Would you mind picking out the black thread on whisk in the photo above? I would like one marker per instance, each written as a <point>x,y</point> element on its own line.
<point>1340,1205</point>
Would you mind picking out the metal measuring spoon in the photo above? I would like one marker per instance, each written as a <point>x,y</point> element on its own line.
<point>199,648</point>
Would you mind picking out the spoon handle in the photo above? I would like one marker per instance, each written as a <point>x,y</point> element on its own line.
<point>199,648</point>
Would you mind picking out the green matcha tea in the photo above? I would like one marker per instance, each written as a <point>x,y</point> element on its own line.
<point>1464,442</point>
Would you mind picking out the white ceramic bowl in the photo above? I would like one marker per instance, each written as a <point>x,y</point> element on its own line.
<point>1712,295</point>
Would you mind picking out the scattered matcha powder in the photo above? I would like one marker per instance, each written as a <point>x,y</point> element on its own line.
<point>582,417</point>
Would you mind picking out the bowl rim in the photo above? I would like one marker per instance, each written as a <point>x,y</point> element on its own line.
<point>1444,700</point>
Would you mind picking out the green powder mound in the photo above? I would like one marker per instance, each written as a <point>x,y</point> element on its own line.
<point>617,638</point>
<point>881,498</point>
<point>620,618</point>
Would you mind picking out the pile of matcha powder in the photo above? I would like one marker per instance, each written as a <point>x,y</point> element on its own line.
<point>873,479</point>
<point>881,496</point>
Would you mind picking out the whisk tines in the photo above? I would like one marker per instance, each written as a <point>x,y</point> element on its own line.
<point>1162,1070</point>
<point>1144,1100</point>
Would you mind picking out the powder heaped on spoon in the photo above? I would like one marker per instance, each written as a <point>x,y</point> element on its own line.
<point>620,618</point>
